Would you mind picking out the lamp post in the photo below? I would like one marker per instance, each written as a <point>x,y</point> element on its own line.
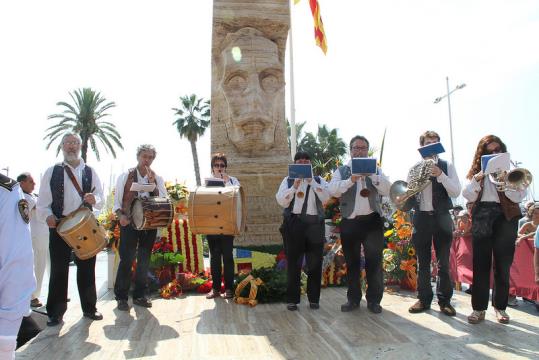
<point>437,100</point>
<point>7,170</point>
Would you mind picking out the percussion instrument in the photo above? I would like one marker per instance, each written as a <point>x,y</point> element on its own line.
<point>217,210</point>
<point>151,213</point>
<point>83,233</point>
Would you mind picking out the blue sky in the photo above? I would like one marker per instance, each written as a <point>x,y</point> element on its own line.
<point>386,63</point>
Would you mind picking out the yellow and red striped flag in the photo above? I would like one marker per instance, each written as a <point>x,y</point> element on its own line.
<point>319,34</point>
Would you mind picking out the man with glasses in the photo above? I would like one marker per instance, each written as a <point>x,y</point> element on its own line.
<point>58,197</point>
<point>221,246</point>
<point>433,224</point>
<point>135,242</point>
<point>360,197</point>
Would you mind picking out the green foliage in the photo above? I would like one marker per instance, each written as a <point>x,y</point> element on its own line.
<point>192,122</point>
<point>83,117</point>
<point>159,259</point>
<point>326,149</point>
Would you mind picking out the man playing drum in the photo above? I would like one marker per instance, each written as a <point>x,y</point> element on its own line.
<point>60,194</point>
<point>132,239</point>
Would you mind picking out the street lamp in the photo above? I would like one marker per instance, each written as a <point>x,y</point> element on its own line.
<point>437,100</point>
<point>7,170</point>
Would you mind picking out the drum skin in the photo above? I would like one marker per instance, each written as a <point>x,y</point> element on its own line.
<point>151,213</point>
<point>83,233</point>
<point>217,210</point>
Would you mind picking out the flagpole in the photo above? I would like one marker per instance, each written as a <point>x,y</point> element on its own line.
<point>292,99</point>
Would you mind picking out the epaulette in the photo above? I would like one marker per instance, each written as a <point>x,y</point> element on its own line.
<point>6,182</point>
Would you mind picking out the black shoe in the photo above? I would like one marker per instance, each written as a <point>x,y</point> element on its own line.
<point>349,306</point>
<point>374,308</point>
<point>314,306</point>
<point>123,305</point>
<point>291,307</point>
<point>96,315</point>
<point>468,291</point>
<point>142,302</point>
<point>53,321</point>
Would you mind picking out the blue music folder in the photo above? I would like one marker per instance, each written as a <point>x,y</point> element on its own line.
<point>431,149</point>
<point>495,162</point>
<point>300,171</point>
<point>363,166</point>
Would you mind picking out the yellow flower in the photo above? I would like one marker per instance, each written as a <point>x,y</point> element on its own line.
<point>411,251</point>
<point>388,233</point>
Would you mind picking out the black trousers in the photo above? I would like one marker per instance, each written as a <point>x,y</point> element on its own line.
<point>133,243</point>
<point>60,254</point>
<point>438,228</point>
<point>367,231</point>
<point>221,247</point>
<point>304,238</point>
<point>501,246</point>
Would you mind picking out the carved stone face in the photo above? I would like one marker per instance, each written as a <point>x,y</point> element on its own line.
<point>253,86</point>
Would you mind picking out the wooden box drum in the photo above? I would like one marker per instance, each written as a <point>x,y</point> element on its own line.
<point>83,233</point>
<point>217,210</point>
<point>151,213</point>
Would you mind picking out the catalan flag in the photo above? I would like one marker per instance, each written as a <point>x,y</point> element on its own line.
<point>319,34</point>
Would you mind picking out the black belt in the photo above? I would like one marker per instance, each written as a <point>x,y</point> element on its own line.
<point>427,212</point>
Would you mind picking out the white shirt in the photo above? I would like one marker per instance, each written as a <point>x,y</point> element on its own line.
<point>337,187</point>
<point>38,227</point>
<point>473,187</point>
<point>72,199</point>
<point>285,195</point>
<point>450,182</point>
<point>17,281</point>
<point>120,185</point>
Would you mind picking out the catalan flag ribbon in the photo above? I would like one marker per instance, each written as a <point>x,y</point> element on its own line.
<point>319,34</point>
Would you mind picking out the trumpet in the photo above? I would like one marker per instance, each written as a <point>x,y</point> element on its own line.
<point>517,179</point>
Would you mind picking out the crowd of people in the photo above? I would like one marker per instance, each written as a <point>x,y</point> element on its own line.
<point>492,218</point>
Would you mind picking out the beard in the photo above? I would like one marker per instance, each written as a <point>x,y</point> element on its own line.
<point>71,155</point>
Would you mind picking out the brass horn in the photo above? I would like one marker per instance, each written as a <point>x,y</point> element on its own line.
<point>400,191</point>
<point>517,179</point>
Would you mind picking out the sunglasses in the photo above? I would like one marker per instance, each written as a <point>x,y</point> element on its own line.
<point>220,166</point>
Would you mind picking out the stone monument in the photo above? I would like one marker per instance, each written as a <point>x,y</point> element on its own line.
<point>248,106</point>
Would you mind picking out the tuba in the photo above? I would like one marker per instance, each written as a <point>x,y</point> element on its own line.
<point>419,175</point>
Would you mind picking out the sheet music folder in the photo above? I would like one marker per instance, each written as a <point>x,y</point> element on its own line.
<point>363,166</point>
<point>495,162</point>
<point>300,171</point>
<point>209,182</point>
<point>431,149</point>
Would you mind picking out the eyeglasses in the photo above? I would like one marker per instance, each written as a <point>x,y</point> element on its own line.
<point>220,166</point>
<point>71,143</point>
<point>361,148</point>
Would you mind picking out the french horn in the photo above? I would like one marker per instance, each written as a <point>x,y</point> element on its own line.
<point>419,175</point>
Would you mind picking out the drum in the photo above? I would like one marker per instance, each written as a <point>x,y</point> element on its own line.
<point>151,213</point>
<point>217,210</point>
<point>83,233</point>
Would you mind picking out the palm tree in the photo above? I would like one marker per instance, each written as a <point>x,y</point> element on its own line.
<point>326,149</point>
<point>83,117</point>
<point>299,129</point>
<point>194,119</point>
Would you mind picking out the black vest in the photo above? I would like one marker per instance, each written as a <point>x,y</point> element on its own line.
<point>441,202</point>
<point>287,212</point>
<point>57,187</point>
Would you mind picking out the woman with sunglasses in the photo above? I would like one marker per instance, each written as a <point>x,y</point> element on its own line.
<point>221,246</point>
<point>495,217</point>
